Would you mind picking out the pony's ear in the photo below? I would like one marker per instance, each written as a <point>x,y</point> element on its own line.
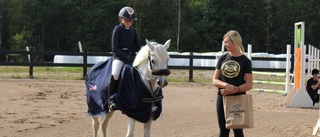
<point>167,44</point>
<point>149,45</point>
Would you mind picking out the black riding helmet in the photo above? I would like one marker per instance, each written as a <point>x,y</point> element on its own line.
<point>128,13</point>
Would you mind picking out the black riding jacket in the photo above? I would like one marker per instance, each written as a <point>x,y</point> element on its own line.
<point>124,42</point>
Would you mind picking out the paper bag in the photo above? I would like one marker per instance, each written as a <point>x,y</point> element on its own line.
<point>238,111</point>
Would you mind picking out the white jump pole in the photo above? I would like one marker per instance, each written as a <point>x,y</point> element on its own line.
<point>80,46</point>
<point>313,59</point>
<point>249,51</point>
<point>222,47</point>
<point>317,52</point>
<point>318,57</point>
<point>288,68</point>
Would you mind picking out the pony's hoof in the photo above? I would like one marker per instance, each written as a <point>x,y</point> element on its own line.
<point>113,107</point>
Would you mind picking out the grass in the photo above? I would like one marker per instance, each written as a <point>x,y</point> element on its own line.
<point>75,73</point>
<point>53,73</point>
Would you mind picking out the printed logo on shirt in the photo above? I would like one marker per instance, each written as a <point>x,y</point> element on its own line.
<point>230,69</point>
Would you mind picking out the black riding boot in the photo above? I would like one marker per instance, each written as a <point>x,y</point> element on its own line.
<point>111,91</point>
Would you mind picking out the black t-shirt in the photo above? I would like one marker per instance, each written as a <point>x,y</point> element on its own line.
<point>311,82</point>
<point>233,69</point>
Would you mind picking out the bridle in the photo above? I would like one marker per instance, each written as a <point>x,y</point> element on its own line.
<point>154,72</point>
<point>156,95</point>
<point>157,72</point>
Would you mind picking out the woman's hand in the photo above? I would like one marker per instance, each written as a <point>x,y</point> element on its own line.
<point>231,89</point>
<point>224,92</point>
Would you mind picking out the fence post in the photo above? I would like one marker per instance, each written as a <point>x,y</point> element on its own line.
<point>30,62</point>
<point>84,59</point>
<point>191,67</point>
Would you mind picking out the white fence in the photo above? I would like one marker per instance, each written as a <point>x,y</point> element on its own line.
<point>268,64</point>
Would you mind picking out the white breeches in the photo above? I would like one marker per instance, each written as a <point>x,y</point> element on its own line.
<point>116,68</point>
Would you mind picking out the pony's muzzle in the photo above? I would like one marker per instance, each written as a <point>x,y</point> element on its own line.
<point>162,82</point>
<point>162,74</point>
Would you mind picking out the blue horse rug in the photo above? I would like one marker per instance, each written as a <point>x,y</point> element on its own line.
<point>131,96</point>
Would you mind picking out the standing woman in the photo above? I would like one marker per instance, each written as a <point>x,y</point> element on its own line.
<point>232,76</point>
<point>125,45</point>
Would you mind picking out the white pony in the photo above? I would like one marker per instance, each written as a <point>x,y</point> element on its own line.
<point>151,63</point>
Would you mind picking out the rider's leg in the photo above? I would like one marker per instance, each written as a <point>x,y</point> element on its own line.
<point>116,69</point>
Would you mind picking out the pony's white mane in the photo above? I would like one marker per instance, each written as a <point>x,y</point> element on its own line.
<point>159,51</point>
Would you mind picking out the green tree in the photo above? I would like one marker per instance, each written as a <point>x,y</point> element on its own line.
<point>58,25</point>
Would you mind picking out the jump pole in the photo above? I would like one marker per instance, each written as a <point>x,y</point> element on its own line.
<point>249,51</point>
<point>313,59</point>
<point>298,96</point>
<point>288,65</point>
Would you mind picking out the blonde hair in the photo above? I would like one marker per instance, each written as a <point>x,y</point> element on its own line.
<point>235,38</point>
